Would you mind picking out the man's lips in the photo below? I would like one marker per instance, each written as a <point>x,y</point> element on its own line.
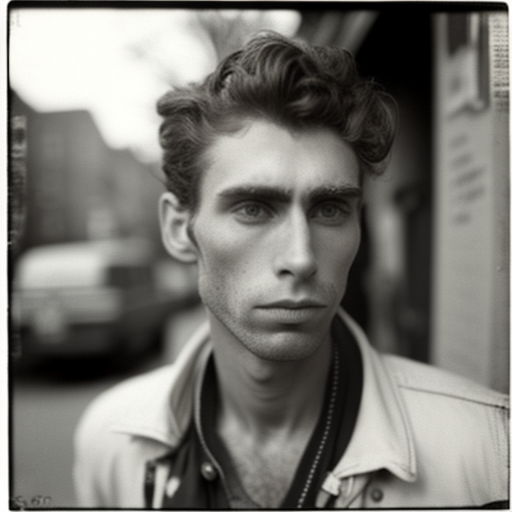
<point>293,304</point>
<point>291,312</point>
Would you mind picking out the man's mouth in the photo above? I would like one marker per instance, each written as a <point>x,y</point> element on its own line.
<point>292,311</point>
<point>293,304</point>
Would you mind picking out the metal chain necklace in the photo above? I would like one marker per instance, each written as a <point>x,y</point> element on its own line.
<point>328,423</point>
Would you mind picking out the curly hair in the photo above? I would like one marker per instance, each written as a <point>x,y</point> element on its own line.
<point>290,83</point>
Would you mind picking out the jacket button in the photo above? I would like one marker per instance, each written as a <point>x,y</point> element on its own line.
<point>377,494</point>
<point>208,471</point>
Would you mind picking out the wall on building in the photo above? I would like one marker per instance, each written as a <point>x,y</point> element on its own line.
<point>471,271</point>
<point>78,188</point>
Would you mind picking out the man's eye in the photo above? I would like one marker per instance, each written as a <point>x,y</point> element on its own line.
<point>252,212</point>
<point>330,213</point>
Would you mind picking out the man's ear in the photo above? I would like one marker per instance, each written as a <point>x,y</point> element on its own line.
<point>174,227</point>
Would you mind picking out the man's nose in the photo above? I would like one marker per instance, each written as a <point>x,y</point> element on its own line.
<point>294,253</point>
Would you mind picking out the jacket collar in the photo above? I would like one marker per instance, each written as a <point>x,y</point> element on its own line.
<point>163,400</point>
<point>382,436</point>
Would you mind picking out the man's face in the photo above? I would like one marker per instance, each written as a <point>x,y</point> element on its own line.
<point>277,230</point>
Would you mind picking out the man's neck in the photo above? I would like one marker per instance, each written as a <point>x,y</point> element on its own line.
<point>270,397</point>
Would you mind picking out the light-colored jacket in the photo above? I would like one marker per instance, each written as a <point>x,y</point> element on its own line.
<point>423,438</point>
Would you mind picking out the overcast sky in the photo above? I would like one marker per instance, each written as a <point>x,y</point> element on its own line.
<point>113,62</point>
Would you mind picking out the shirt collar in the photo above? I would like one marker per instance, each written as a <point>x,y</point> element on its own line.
<point>381,439</point>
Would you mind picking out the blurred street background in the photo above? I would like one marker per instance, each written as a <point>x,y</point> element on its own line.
<point>94,298</point>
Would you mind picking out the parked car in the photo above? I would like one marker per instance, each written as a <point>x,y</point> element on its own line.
<point>91,299</point>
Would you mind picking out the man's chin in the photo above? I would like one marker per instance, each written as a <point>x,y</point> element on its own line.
<point>285,347</point>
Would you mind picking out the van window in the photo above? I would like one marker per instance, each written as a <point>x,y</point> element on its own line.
<point>127,276</point>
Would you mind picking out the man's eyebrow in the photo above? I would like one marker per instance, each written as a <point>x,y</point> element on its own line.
<point>260,192</point>
<point>339,192</point>
<point>283,195</point>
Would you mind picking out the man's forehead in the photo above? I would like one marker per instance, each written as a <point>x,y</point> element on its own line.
<point>271,160</point>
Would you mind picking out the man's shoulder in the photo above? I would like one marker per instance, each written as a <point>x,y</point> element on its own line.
<point>457,437</point>
<point>458,427</point>
<point>445,409</point>
<point>155,405</point>
<point>420,378</point>
<point>129,397</point>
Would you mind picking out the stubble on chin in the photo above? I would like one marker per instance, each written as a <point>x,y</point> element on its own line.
<point>284,346</point>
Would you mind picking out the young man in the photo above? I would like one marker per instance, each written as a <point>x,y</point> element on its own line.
<point>280,402</point>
